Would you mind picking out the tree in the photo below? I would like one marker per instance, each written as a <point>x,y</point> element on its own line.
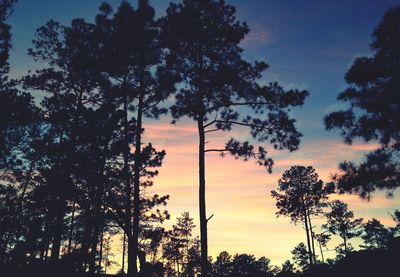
<point>192,267</point>
<point>341,222</point>
<point>220,91</point>
<point>248,265</point>
<point>71,84</point>
<point>132,60</point>
<point>184,227</point>
<point>223,265</point>
<point>374,113</point>
<point>375,235</point>
<point>181,248</point>
<point>322,240</point>
<point>287,266</point>
<point>19,121</point>
<point>396,218</point>
<point>6,8</point>
<point>17,109</point>
<point>301,195</point>
<point>301,257</point>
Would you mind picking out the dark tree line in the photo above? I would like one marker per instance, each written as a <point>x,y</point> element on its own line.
<point>76,172</point>
<point>75,167</point>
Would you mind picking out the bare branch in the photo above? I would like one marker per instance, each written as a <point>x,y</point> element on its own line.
<point>216,150</point>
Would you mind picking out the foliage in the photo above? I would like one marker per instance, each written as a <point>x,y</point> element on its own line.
<point>375,235</point>
<point>341,222</point>
<point>221,90</point>
<point>373,114</point>
<point>300,257</point>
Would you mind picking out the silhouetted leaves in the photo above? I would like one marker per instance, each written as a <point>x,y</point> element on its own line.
<point>374,112</point>
<point>341,222</point>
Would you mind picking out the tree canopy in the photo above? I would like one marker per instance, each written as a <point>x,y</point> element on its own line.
<point>374,112</point>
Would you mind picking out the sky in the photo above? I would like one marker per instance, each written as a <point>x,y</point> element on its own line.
<point>308,45</point>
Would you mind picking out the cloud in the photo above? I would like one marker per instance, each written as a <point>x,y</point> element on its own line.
<point>259,35</point>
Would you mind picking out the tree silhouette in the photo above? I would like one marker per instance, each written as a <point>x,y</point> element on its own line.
<point>374,112</point>
<point>322,240</point>
<point>287,266</point>
<point>301,195</point>
<point>19,120</point>
<point>17,109</point>
<point>181,248</point>
<point>71,83</point>
<point>220,89</point>
<point>223,265</point>
<point>341,222</point>
<point>183,230</point>
<point>375,235</point>
<point>396,218</point>
<point>132,61</point>
<point>192,267</point>
<point>302,257</point>
<point>5,38</point>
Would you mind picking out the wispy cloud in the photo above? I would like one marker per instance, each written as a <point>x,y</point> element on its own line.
<point>259,35</point>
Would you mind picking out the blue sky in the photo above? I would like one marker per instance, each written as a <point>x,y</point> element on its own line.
<point>308,45</point>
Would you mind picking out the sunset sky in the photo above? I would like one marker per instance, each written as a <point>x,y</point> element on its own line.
<point>308,45</point>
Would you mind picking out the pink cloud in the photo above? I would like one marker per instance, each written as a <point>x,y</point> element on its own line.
<point>258,35</point>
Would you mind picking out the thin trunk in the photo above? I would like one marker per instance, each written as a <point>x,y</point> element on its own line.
<point>64,178</point>
<point>345,245</point>
<point>312,239</point>
<point>101,250</point>
<point>86,240</point>
<point>310,256</point>
<point>46,254</point>
<point>322,252</point>
<point>58,226</point>
<point>71,227</point>
<point>94,242</point>
<point>46,240</point>
<point>142,262</point>
<point>136,180</point>
<point>131,260</point>
<point>123,254</point>
<point>9,228</point>
<point>98,220</point>
<point>202,198</point>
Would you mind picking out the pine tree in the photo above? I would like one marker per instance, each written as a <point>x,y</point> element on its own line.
<point>220,90</point>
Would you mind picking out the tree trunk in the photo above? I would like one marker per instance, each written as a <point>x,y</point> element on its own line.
<point>312,239</point>
<point>310,256</point>
<point>202,199</point>
<point>132,268</point>
<point>58,230</point>
<point>94,242</point>
<point>136,178</point>
<point>345,245</point>
<point>65,171</point>
<point>101,250</point>
<point>86,238</point>
<point>71,228</point>
<point>123,253</point>
<point>322,252</point>
<point>9,227</point>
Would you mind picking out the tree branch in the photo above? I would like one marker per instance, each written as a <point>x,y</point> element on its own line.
<point>216,150</point>
<point>212,130</point>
